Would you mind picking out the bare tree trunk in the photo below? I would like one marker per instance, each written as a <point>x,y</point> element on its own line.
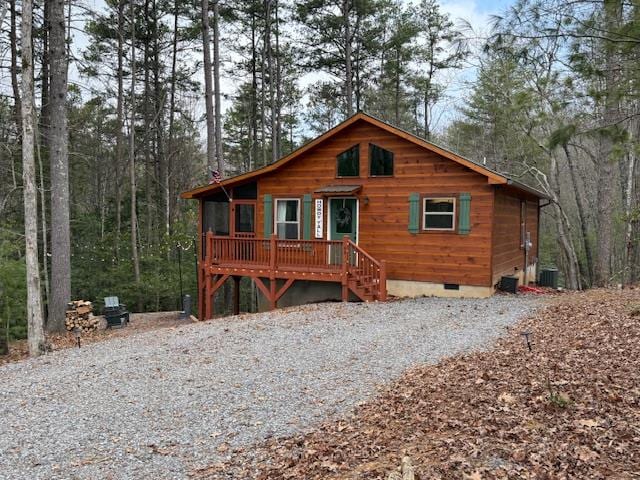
<point>132,156</point>
<point>216,87</point>
<point>263,98</point>
<point>278,80</point>
<point>348,81</point>
<point>208,87</point>
<point>254,94</point>
<point>59,158</point>
<point>605,171</point>
<point>119,126</point>
<point>159,97</point>
<point>582,217</point>
<point>45,77</point>
<point>172,107</point>
<point>628,236</point>
<point>45,243</point>
<point>563,230</point>
<point>146,115</point>
<point>549,184</point>
<point>272,98</point>
<point>17,102</point>
<point>35,329</point>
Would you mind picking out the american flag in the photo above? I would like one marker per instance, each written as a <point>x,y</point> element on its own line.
<point>215,177</point>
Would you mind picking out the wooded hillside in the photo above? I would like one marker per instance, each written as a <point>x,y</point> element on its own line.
<point>135,101</point>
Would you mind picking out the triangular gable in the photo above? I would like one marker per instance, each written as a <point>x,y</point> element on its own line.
<point>492,177</point>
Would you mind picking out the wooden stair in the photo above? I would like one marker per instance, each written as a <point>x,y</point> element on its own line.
<point>366,275</point>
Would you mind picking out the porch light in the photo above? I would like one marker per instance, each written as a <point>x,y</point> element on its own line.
<point>366,200</point>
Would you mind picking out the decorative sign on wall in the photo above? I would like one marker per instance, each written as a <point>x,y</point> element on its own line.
<point>319,217</point>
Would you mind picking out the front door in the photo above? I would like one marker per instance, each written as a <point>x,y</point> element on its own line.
<point>244,218</point>
<point>343,221</point>
<point>343,218</point>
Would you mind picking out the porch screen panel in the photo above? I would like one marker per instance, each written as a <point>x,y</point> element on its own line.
<point>215,217</point>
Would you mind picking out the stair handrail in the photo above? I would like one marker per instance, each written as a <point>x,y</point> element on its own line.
<point>380,264</point>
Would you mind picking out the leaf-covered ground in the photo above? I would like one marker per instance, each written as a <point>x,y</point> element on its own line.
<point>570,408</point>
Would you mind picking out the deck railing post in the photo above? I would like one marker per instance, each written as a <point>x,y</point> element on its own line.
<point>382,294</point>
<point>345,268</point>
<point>273,262</point>
<point>273,248</point>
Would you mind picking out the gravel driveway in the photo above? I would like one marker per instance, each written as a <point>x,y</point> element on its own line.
<point>159,404</point>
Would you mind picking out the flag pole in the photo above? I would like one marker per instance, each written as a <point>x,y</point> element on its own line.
<point>217,178</point>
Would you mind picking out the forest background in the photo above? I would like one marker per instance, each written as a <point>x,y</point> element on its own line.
<point>135,101</point>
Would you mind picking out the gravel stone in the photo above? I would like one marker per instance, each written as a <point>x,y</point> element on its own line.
<point>159,404</point>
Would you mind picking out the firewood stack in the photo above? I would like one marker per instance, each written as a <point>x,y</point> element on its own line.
<point>79,314</point>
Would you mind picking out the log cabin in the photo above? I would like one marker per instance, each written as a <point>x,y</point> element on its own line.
<point>364,211</point>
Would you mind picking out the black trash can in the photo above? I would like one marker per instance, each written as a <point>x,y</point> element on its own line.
<point>548,277</point>
<point>186,305</point>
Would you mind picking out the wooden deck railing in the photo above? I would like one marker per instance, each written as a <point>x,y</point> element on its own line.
<point>340,260</point>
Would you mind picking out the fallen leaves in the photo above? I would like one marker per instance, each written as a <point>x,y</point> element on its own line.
<point>568,409</point>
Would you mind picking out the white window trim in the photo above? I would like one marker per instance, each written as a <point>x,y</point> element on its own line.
<point>451,214</point>
<point>275,216</point>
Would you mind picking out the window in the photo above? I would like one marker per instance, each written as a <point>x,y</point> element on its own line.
<point>288,219</point>
<point>439,214</point>
<point>380,161</point>
<point>349,162</point>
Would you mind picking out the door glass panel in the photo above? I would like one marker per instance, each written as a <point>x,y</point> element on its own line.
<point>343,217</point>
<point>216,218</point>
<point>245,218</point>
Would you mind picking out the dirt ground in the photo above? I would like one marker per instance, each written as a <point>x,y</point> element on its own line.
<point>139,322</point>
<point>569,407</point>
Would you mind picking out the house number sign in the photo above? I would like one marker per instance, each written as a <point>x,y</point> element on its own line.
<point>319,217</point>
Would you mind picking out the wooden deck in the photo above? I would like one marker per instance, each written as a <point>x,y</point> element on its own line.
<point>290,260</point>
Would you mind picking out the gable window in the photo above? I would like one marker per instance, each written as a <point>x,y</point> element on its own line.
<point>380,161</point>
<point>439,213</point>
<point>288,219</point>
<point>349,162</point>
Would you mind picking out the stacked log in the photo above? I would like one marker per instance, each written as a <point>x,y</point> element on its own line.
<point>80,315</point>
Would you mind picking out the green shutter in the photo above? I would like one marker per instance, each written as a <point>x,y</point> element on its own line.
<point>464,213</point>
<point>268,215</point>
<point>414,212</point>
<point>306,217</point>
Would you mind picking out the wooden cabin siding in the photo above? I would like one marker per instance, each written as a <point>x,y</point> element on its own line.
<point>508,254</point>
<point>383,222</point>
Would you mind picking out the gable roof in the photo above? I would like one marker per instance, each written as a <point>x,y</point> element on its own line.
<point>493,177</point>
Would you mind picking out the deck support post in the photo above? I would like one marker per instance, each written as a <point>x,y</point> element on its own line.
<point>345,268</point>
<point>214,282</point>
<point>236,295</point>
<point>273,301</point>
<point>206,273</point>
<point>382,295</point>
<point>208,297</point>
